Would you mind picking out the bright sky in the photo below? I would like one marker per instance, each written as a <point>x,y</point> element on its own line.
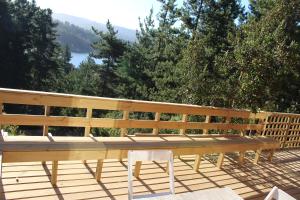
<point>120,12</point>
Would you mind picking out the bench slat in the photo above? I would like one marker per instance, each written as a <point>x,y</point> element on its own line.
<point>22,149</point>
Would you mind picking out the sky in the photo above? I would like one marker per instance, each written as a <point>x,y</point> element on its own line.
<point>120,12</point>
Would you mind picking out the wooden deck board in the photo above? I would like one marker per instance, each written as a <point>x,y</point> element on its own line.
<point>76,180</point>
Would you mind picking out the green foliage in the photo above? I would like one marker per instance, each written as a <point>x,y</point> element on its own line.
<point>85,80</point>
<point>29,56</point>
<point>211,25</point>
<point>264,65</point>
<point>109,49</point>
<point>13,130</point>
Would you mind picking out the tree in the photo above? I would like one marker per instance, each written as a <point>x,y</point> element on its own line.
<point>7,31</point>
<point>109,49</point>
<point>85,80</point>
<point>30,53</point>
<point>266,57</point>
<point>153,58</point>
<point>210,24</point>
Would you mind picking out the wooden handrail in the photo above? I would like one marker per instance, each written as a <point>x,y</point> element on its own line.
<point>12,96</point>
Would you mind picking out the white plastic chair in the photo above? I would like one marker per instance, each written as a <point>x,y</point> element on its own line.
<point>278,194</point>
<point>149,155</point>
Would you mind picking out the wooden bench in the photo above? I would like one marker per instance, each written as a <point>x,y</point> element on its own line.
<point>191,118</point>
<point>41,148</point>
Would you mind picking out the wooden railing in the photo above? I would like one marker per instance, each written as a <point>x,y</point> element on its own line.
<point>284,127</point>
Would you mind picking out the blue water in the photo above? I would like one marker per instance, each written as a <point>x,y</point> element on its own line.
<point>77,58</point>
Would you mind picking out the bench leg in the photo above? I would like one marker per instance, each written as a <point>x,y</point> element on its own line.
<point>121,156</point>
<point>241,157</point>
<point>197,162</point>
<point>167,165</point>
<point>257,155</point>
<point>220,160</point>
<point>167,168</point>
<point>270,157</point>
<point>137,168</point>
<point>1,155</point>
<point>54,172</point>
<point>99,169</point>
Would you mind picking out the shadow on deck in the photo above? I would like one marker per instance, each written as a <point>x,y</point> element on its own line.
<point>76,180</point>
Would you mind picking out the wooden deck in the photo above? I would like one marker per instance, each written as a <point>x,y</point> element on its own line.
<point>76,181</point>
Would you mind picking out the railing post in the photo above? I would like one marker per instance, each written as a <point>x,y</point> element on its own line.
<point>265,123</point>
<point>207,120</point>
<point>45,127</point>
<point>124,131</point>
<point>289,121</point>
<point>227,121</point>
<point>157,118</point>
<point>184,120</point>
<point>87,129</point>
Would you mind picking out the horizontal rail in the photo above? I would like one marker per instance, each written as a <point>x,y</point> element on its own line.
<point>77,101</point>
<point>40,120</point>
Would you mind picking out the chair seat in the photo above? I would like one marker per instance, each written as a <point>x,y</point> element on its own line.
<point>278,194</point>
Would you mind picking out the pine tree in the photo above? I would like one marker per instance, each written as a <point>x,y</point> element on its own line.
<point>109,49</point>
<point>209,24</point>
<point>31,55</point>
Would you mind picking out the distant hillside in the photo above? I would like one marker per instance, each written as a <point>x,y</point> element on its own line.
<point>123,33</point>
<point>78,39</point>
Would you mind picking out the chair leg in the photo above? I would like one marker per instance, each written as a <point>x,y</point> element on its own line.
<point>99,170</point>
<point>257,155</point>
<point>220,160</point>
<point>54,172</point>
<point>241,157</point>
<point>137,168</point>
<point>130,182</point>
<point>171,174</point>
<point>197,162</point>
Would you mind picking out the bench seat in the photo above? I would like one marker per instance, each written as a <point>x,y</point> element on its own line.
<point>48,148</point>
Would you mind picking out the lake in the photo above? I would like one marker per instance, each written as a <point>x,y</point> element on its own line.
<point>77,58</point>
